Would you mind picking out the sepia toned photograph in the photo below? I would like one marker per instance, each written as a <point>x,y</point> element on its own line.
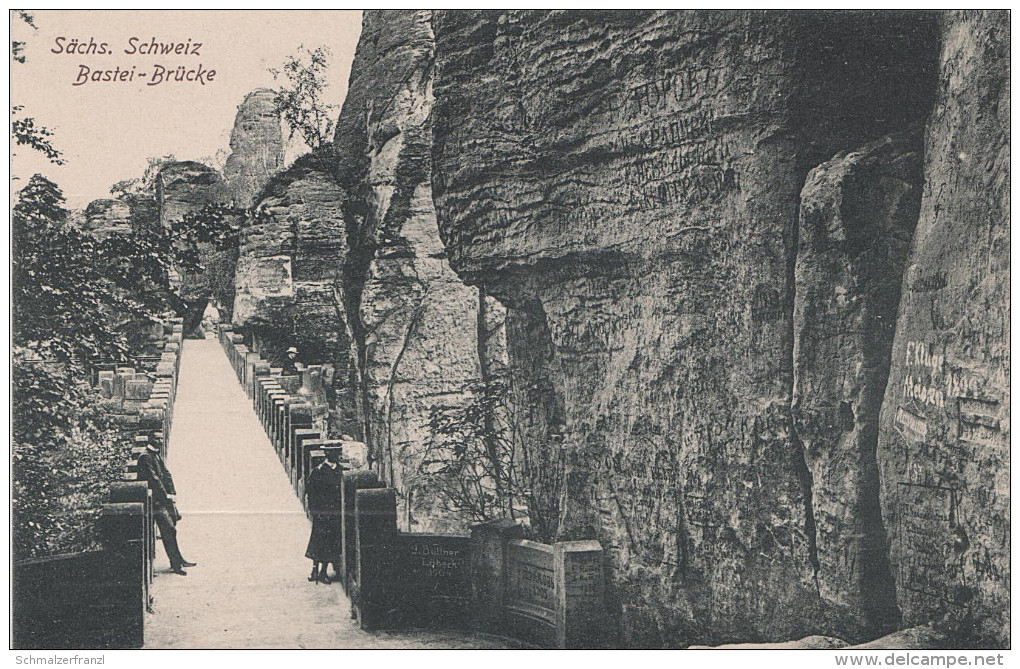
<point>511,330</point>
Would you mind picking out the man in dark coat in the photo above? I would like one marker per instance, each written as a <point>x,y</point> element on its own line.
<point>290,363</point>
<point>152,469</point>
<point>323,487</point>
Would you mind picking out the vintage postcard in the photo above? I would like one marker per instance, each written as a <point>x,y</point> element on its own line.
<point>511,329</point>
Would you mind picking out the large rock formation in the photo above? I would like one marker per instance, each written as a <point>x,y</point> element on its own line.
<point>857,215</point>
<point>413,323</point>
<point>288,267</point>
<point>184,188</point>
<point>257,153</point>
<point>944,448</point>
<point>734,362</point>
<point>628,184</point>
<point>256,145</point>
<point>108,217</point>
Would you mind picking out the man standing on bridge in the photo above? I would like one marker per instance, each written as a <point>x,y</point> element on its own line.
<point>152,469</point>
<point>323,487</point>
<point>290,365</point>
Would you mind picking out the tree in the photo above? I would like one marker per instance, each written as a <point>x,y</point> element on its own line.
<point>18,46</point>
<point>471,460</point>
<point>27,133</point>
<point>67,296</point>
<point>301,103</point>
<point>59,294</point>
<point>24,129</point>
<point>64,456</point>
<point>146,184</point>
<point>79,298</point>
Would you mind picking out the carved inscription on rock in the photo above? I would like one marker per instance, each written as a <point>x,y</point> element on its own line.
<point>930,524</point>
<point>584,576</point>
<point>531,575</point>
<point>435,560</point>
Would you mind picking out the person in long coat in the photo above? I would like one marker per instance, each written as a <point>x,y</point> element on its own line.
<point>322,487</point>
<point>153,470</point>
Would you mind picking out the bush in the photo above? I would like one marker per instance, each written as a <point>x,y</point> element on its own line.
<point>471,460</point>
<point>64,455</point>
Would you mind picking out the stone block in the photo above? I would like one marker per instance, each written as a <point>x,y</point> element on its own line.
<point>137,390</point>
<point>122,522</point>
<point>375,531</point>
<point>150,419</point>
<point>489,568</point>
<point>580,594</point>
<point>128,492</point>
<point>106,384</point>
<point>353,481</point>
<point>294,464</point>
<point>356,453</point>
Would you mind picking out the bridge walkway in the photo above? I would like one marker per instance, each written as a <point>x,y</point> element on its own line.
<point>246,529</point>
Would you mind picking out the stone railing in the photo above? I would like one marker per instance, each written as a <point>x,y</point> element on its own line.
<point>491,580</point>
<point>291,408</point>
<point>98,599</point>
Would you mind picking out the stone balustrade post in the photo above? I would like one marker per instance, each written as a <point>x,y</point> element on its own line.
<point>580,594</point>
<point>489,570</point>
<point>375,530</point>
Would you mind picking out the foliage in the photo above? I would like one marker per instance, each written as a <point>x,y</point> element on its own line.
<point>215,224</point>
<point>72,292</point>
<point>300,102</point>
<point>64,453</point>
<point>17,46</point>
<point>471,460</point>
<point>146,184</point>
<point>77,299</point>
<point>24,129</point>
<point>26,133</point>
<point>58,290</point>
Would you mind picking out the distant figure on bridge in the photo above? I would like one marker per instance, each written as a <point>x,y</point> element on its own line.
<point>290,365</point>
<point>323,487</point>
<point>152,469</point>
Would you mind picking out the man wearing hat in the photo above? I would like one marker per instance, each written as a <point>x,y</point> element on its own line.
<point>323,487</point>
<point>152,469</point>
<point>290,364</point>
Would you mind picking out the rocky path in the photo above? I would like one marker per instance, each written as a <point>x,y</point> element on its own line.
<point>245,528</point>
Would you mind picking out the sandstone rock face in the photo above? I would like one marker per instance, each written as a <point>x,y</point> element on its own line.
<point>108,217</point>
<point>944,446</point>
<point>184,188</point>
<point>414,323</point>
<point>857,215</point>
<point>257,153</point>
<point>256,145</point>
<point>289,259</point>
<point>390,69</point>
<point>144,211</point>
<point>420,323</point>
<point>627,184</point>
